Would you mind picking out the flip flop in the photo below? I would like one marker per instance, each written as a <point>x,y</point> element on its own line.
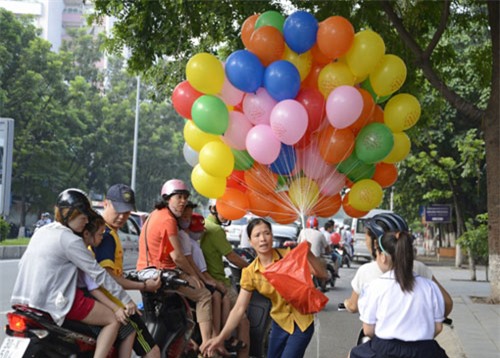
<point>234,345</point>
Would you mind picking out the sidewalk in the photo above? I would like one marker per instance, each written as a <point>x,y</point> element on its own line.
<point>476,326</point>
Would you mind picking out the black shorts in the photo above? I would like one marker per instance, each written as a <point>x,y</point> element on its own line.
<point>388,348</point>
<point>144,341</point>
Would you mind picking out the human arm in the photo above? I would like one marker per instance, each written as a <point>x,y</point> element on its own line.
<point>369,329</point>
<point>199,274</point>
<point>217,343</point>
<point>448,301</point>
<point>235,259</point>
<point>150,285</point>
<point>182,262</point>
<point>438,327</point>
<point>351,303</point>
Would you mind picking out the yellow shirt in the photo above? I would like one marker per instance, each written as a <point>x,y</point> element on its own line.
<point>284,314</point>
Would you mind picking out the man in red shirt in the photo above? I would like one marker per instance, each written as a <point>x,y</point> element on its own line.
<point>159,246</point>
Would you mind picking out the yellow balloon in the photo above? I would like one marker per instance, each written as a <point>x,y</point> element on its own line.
<point>402,112</point>
<point>334,75</point>
<point>365,195</point>
<point>388,76</point>
<point>206,184</point>
<point>303,62</point>
<point>400,150</point>
<point>303,193</point>
<point>366,51</point>
<point>196,138</point>
<point>205,73</point>
<point>217,159</point>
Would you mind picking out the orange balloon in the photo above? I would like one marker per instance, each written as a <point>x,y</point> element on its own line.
<point>233,205</point>
<point>349,210</point>
<point>284,217</point>
<point>348,183</point>
<point>247,28</point>
<point>335,145</point>
<point>260,179</point>
<point>386,174</point>
<point>267,43</point>
<point>378,114</point>
<point>260,204</point>
<point>311,81</point>
<point>318,56</point>
<point>327,205</point>
<point>237,180</point>
<point>366,114</point>
<point>335,36</point>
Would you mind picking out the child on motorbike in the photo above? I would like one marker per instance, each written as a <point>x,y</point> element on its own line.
<point>291,331</point>
<point>92,235</point>
<point>400,310</point>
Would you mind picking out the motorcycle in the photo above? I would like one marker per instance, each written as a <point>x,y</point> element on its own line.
<point>168,315</point>
<point>344,252</point>
<point>332,275</point>
<point>33,333</point>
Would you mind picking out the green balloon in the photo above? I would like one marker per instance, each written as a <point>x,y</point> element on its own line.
<point>355,169</point>
<point>374,142</point>
<point>270,18</point>
<point>210,114</point>
<point>242,160</point>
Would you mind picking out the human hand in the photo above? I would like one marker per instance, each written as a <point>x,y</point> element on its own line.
<point>131,308</point>
<point>212,347</point>
<point>153,284</point>
<point>121,315</point>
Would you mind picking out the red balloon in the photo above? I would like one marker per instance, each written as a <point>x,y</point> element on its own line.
<point>237,180</point>
<point>183,98</point>
<point>311,81</point>
<point>386,174</point>
<point>314,103</point>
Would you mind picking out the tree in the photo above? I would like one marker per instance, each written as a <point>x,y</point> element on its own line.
<point>150,30</point>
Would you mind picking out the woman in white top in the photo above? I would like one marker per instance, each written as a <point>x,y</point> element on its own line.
<point>401,311</point>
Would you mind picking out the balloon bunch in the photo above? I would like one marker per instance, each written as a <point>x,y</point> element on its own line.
<point>284,126</point>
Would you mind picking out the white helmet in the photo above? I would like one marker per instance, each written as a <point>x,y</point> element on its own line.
<point>172,187</point>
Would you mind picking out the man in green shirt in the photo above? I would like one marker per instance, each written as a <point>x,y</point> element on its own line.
<point>215,246</point>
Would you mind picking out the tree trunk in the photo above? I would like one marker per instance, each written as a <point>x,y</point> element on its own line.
<point>492,139</point>
<point>472,266</point>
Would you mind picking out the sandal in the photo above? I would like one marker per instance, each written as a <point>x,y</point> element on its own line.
<point>234,345</point>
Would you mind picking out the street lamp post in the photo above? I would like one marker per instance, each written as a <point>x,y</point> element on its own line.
<point>136,132</point>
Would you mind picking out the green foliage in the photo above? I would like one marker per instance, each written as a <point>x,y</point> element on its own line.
<point>4,229</point>
<point>475,238</point>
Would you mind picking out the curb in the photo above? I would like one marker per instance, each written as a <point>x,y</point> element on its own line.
<point>11,252</point>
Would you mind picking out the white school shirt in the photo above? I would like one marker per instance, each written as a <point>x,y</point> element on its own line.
<point>407,316</point>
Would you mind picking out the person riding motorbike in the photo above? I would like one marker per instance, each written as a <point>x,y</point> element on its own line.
<point>375,228</point>
<point>48,272</point>
<point>159,246</point>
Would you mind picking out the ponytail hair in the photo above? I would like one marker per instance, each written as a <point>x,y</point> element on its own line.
<point>400,247</point>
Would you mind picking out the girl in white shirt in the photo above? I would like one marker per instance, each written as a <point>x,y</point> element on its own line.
<point>400,310</point>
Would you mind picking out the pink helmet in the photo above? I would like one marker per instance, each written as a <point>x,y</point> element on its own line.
<point>174,186</point>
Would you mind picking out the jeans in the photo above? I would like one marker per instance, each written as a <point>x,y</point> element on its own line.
<point>283,344</point>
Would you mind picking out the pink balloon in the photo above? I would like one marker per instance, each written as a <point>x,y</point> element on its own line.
<point>258,106</point>
<point>230,94</point>
<point>262,144</point>
<point>312,163</point>
<point>343,106</point>
<point>332,183</point>
<point>237,130</point>
<point>289,121</point>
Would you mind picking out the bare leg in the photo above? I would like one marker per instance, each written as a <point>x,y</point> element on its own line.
<point>126,347</point>
<point>244,336</point>
<point>216,312</point>
<point>154,353</point>
<point>205,330</point>
<point>103,316</point>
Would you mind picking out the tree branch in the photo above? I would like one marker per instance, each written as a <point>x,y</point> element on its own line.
<point>423,60</point>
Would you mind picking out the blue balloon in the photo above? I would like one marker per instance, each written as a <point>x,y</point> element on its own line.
<point>244,70</point>
<point>282,80</point>
<point>299,30</point>
<point>285,163</point>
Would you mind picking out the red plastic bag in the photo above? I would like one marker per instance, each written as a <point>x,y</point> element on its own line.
<point>291,277</point>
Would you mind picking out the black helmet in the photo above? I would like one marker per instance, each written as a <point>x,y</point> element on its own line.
<point>386,222</point>
<point>74,199</point>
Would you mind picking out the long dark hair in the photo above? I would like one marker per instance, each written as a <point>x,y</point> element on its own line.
<point>399,246</point>
<point>256,221</point>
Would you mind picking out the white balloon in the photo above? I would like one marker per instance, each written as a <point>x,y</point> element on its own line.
<point>190,155</point>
